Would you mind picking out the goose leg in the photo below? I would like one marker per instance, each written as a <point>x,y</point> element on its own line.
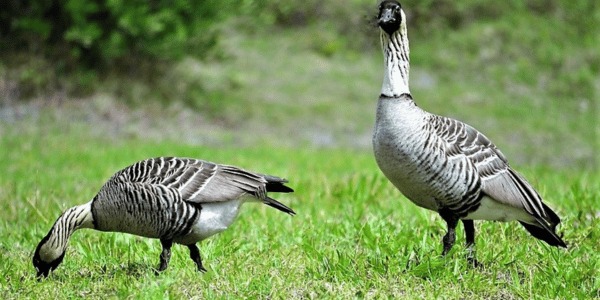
<point>450,237</point>
<point>469,232</point>
<point>195,256</point>
<point>470,237</point>
<point>165,255</point>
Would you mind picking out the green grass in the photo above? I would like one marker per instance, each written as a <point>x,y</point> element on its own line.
<point>354,235</point>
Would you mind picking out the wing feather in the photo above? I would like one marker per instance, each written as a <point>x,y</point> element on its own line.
<point>498,180</point>
<point>200,181</point>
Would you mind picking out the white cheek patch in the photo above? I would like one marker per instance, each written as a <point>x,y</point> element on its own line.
<point>48,253</point>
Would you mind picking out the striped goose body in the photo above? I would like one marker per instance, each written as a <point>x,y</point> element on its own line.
<point>443,164</point>
<point>176,200</point>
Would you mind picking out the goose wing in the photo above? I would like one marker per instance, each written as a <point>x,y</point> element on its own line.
<point>200,181</point>
<point>498,180</point>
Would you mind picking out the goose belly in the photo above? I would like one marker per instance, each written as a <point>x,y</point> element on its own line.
<point>492,210</point>
<point>214,218</point>
<point>420,169</point>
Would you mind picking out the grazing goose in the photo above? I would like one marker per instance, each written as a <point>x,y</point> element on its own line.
<point>176,200</point>
<point>443,164</point>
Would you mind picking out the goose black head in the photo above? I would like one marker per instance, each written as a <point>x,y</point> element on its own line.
<point>42,266</point>
<point>390,16</point>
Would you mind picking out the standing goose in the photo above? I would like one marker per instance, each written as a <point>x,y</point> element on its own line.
<point>176,200</point>
<point>443,164</point>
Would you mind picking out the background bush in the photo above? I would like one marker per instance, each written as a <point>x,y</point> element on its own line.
<point>101,33</point>
<point>69,45</point>
<point>46,40</point>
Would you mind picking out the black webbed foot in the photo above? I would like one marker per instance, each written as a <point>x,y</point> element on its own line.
<point>474,263</point>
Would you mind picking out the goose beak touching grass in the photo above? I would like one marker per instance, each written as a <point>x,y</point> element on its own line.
<point>176,200</point>
<point>443,164</point>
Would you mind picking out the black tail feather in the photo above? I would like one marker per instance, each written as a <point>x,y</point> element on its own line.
<point>277,185</point>
<point>542,232</point>
<point>278,205</point>
<point>553,217</point>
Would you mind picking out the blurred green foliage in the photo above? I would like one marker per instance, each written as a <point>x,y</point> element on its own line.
<point>548,44</point>
<point>101,33</point>
<point>436,14</point>
<point>70,44</point>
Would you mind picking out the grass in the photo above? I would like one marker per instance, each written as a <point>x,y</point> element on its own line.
<point>354,236</point>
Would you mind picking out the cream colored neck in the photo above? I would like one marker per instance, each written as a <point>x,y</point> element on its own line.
<point>74,218</point>
<point>397,63</point>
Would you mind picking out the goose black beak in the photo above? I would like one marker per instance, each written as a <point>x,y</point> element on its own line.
<point>42,274</point>
<point>389,17</point>
<point>41,271</point>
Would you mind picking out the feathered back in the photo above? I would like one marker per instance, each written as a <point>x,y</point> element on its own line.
<point>201,181</point>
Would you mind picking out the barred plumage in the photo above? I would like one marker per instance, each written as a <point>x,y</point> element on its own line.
<point>443,164</point>
<point>176,200</point>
